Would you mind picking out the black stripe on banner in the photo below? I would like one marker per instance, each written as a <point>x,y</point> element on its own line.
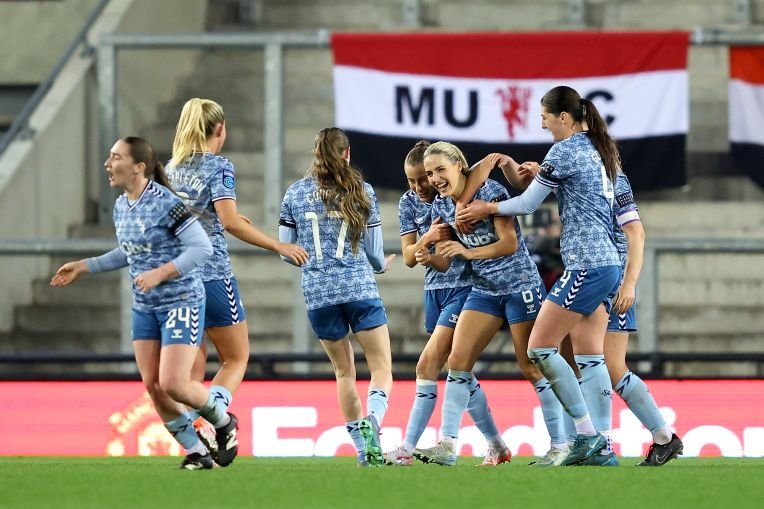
<point>748,157</point>
<point>651,163</point>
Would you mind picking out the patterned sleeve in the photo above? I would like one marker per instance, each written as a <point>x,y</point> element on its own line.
<point>406,216</point>
<point>493,191</point>
<point>375,218</point>
<point>223,180</point>
<point>555,167</point>
<point>179,217</point>
<point>285,216</point>
<point>625,208</point>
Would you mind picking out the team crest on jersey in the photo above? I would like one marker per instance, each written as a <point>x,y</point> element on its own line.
<point>228,179</point>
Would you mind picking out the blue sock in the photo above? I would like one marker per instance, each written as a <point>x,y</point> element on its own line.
<point>570,428</point>
<point>182,429</point>
<point>222,394</point>
<point>455,401</point>
<point>561,378</point>
<point>477,406</point>
<point>215,410</point>
<point>376,405</point>
<point>424,405</point>
<point>569,424</point>
<point>355,435</point>
<point>552,410</point>
<point>639,400</point>
<point>598,392</point>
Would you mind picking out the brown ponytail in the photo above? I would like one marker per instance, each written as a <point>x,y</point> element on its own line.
<point>415,157</point>
<point>340,186</point>
<point>566,99</point>
<point>141,151</point>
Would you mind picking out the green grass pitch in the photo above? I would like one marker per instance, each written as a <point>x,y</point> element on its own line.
<point>336,483</point>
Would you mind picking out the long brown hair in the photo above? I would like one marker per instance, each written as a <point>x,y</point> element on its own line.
<point>339,184</point>
<point>141,151</point>
<point>566,99</point>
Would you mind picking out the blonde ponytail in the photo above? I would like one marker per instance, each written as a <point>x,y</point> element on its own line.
<point>196,123</point>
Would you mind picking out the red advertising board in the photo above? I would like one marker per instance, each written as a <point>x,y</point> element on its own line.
<point>713,417</point>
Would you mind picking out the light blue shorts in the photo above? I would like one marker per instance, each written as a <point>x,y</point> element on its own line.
<point>514,308</point>
<point>333,322</point>
<point>583,291</point>
<point>442,307</point>
<point>179,326</point>
<point>223,306</point>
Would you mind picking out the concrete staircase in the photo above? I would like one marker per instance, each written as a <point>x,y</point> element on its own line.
<point>709,303</point>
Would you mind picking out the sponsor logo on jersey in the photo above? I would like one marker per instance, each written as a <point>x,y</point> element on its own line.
<point>132,248</point>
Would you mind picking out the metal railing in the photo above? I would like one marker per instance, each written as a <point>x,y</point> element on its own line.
<point>279,366</point>
<point>648,307</point>
<point>21,121</point>
<point>651,359</point>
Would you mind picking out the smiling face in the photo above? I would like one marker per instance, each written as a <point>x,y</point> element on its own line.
<point>444,176</point>
<point>122,170</point>
<point>555,124</point>
<point>418,182</point>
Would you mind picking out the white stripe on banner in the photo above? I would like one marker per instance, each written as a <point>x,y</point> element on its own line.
<point>501,110</point>
<point>746,111</point>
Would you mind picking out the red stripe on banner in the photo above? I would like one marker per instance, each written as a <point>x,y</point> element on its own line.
<point>747,64</point>
<point>513,55</point>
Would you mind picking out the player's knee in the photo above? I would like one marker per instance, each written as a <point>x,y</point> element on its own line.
<point>175,386</point>
<point>426,368</point>
<point>153,388</point>
<point>458,362</point>
<point>344,372</point>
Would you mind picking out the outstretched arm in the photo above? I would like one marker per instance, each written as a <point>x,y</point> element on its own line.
<point>375,251</point>
<point>69,272</point>
<point>241,228</point>
<point>526,203</point>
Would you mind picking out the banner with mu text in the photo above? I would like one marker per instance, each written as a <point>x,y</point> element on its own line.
<point>481,91</point>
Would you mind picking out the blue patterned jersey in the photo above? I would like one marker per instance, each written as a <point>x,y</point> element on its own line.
<point>585,200</point>
<point>200,182</point>
<point>147,233</point>
<point>625,211</point>
<point>495,276</point>
<point>333,274</point>
<point>414,217</point>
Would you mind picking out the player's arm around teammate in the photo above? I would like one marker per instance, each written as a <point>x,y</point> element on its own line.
<point>582,167</point>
